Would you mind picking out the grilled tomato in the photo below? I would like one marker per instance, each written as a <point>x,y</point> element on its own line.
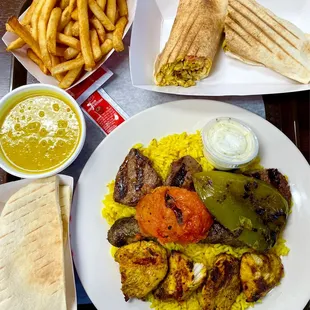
<point>173,214</point>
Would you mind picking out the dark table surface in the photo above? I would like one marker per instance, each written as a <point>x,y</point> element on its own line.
<point>289,112</point>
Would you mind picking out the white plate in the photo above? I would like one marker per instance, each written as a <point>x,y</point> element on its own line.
<point>151,30</point>
<point>98,271</point>
<point>34,70</point>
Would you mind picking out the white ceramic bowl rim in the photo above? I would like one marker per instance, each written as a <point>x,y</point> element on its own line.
<point>32,87</point>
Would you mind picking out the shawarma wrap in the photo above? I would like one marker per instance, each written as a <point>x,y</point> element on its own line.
<point>193,43</point>
<point>256,36</point>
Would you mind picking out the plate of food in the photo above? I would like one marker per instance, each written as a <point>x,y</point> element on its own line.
<point>193,204</point>
<point>216,47</point>
<point>63,42</point>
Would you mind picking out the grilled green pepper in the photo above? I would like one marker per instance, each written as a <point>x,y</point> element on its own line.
<point>251,209</point>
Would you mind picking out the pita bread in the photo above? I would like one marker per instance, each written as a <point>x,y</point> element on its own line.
<point>256,36</point>
<point>65,197</point>
<point>193,43</point>
<point>31,249</point>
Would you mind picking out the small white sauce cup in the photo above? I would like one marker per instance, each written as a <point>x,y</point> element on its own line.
<point>226,161</point>
<point>28,90</point>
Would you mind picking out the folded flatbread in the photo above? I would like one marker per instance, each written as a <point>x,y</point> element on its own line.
<point>65,197</point>
<point>256,36</point>
<point>31,249</point>
<point>193,43</point>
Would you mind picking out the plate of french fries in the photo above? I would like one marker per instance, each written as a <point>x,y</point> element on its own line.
<point>62,42</point>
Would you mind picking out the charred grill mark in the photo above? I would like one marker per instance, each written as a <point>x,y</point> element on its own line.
<point>215,274</point>
<point>264,21</point>
<point>239,35</point>
<point>171,204</point>
<point>179,178</point>
<point>274,176</point>
<point>253,37</point>
<point>122,184</point>
<point>145,261</point>
<point>267,35</point>
<point>140,164</point>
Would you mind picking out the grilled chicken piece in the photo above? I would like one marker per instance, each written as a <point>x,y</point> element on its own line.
<point>124,231</point>
<point>223,284</point>
<point>182,171</point>
<point>183,279</point>
<point>274,178</point>
<point>135,178</point>
<point>143,265</point>
<point>219,234</point>
<point>259,274</point>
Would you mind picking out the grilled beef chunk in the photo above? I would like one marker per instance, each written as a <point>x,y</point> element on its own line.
<point>274,178</point>
<point>182,171</point>
<point>219,234</point>
<point>135,178</point>
<point>124,231</point>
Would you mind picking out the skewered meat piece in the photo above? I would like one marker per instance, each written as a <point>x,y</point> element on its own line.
<point>135,178</point>
<point>259,274</point>
<point>124,231</point>
<point>182,171</point>
<point>223,284</point>
<point>143,265</point>
<point>183,279</point>
<point>274,178</point>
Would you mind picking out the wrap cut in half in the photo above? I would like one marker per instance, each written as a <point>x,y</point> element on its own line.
<point>256,36</point>
<point>193,43</point>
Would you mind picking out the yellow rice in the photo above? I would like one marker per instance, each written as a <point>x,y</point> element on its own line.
<point>162,153</point>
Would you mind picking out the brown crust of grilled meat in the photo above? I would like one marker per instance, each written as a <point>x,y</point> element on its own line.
<point>218,234</point>
<point>275,178</point>
<point>143,265</point>
<point>223,284</point>
<point>124,231</point>
<point>182,171</point>
<point>135,178</point>
<point>259,274</point>
<point>181,280</point>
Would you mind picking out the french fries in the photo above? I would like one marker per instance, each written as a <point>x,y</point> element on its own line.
<point>75,29</point>
<point>66,15</point>
<point>84,35</point>
<point>122,8</point>
<point>68,65</point>
<point>70,77</point>
<point>65,38</point>
<point>102,4</point>
<point>55,62</point>
<point>16,44</point>
<point>106,47</point>
<point>99,28</point>
<point>35,18</point>
<point>52,30</point>
<point>68,28</point>
<point>45,15</point>
<point>94,41</point>
<point>25,35</point>
<point>118,34</point>
<point>75,15</point>
<point>63,4</point>
<point>37,60</point>
<point>69,41</point>
<point>27,18</point>
<point>111,10</point>
<point>105,21</point>
<point>70,53</point>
